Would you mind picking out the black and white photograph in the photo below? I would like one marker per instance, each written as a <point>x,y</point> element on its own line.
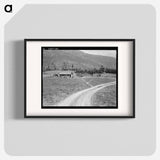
<point>83,77</point>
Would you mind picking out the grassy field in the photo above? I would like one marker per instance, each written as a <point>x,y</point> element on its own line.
<point>105,97</point>
<point>56,89</point>
<point>98,80</point>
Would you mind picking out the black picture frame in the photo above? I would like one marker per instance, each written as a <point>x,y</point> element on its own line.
<point>25,76</point>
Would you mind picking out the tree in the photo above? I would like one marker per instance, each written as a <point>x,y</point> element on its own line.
<point>94,70</point>
<point>109,70</point>
<point>47,68</point>
<point>54,67</point>
<point>64,66</point>
<point>72,67</point>
<point>101,70</point>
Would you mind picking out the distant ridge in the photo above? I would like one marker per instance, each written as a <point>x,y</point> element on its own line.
<point>76,59</point>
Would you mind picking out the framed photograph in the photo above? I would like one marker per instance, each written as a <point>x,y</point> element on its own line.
<point>79,78</point>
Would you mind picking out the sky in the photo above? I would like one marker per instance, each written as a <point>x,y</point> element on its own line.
<point>110,53</point>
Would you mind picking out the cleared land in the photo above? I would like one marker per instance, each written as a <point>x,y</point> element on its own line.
<point>98,80</point>
<point>56,89</point>
<point>105,97</point>
<point>84,98</point>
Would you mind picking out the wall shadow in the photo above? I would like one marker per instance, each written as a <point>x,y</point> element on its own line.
<point>18,81</point>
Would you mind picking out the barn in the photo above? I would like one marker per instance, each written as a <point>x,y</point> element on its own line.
<point>66,74</point>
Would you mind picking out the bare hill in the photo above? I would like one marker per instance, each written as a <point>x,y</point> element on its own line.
<point>76,59</point>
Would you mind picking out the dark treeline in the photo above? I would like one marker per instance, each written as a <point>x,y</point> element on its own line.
<point>65,66</point>
<point>95,71</point>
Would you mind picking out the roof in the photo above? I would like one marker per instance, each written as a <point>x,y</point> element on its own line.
<point>66,72</point>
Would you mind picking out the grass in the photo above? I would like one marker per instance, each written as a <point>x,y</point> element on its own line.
<point>98,80</point>
<point>105,97</point>
<point>56,89</point>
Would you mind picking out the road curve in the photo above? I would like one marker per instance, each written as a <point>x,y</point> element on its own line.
<point>83,98</point>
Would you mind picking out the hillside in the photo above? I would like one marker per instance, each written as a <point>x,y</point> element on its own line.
<point>75,58</point>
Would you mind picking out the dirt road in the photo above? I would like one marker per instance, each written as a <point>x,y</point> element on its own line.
<point>83,98</point>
